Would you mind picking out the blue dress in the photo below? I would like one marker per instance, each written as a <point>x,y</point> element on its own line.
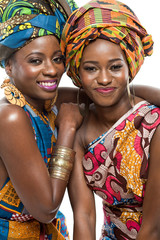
<point>15,221</point>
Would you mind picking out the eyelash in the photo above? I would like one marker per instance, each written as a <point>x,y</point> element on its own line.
<point>116,67</point>
<point>90,69</point>
<point>35,61</point>
<point>57,60</point>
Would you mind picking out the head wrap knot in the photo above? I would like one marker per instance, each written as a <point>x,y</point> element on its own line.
<point>23,20</point>
<point>105,19</point>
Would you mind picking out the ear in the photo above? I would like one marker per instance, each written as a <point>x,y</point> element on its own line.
<point>8,67</point>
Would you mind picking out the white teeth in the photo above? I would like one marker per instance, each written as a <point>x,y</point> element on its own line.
<point>47,83</point>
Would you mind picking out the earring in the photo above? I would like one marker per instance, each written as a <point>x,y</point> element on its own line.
<point>131,96</point>
<point>83,108</point>
<point>13,95</point>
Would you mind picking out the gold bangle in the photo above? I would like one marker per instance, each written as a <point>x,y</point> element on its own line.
<point>61,163</point>
<point>59,173</point>
<point>56,161</point>
<point>61,151</point>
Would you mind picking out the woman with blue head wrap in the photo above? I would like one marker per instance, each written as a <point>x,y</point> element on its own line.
<point>30,32</point>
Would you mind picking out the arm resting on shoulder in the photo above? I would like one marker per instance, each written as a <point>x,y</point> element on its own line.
<point>68,121</point>
<point>151,94</point>
<point>23,162</point>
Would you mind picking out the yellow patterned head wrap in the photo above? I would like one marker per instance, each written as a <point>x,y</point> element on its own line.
<point>110,20</point>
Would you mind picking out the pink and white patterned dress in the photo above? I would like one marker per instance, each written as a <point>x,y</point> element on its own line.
<point>116,168</point>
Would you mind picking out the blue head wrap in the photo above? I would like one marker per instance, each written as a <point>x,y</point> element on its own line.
<point>22,21</point>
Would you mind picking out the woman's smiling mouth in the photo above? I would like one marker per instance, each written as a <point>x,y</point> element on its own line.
<point>49,85</point>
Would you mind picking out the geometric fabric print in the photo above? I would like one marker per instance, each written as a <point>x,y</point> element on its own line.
<point>22,231</point>
<point>9,195</point>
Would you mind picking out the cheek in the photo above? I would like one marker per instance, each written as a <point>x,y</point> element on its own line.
<point>86,79</point>
<point>61,69</point>
<point>123,78</point>
<point>27,72</point>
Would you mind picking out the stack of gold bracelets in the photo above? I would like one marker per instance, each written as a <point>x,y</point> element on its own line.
<point>61,163</point>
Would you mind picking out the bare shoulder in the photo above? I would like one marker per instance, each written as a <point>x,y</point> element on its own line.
<point>86,133</point>
<point>10,113</point>
<point>13,119</point>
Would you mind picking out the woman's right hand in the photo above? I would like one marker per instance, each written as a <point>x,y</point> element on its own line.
<point>69,115</point>
<point>68,121</point>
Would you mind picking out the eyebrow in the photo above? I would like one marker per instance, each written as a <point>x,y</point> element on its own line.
<point>40,53</point>
<point>110,61</point>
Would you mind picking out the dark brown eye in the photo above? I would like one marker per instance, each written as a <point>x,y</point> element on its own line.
<point>59,59</point>
<point>116,67</point>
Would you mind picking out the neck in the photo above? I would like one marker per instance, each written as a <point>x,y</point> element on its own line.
<point>38,105</point>
<point>108,116</point>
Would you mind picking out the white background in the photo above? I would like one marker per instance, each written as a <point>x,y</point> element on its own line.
<point>148,13</point>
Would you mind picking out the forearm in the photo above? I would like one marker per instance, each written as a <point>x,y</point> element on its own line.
<point>148,233</point>
<point>84,228</point>
<point>151,94</point>
<point>60,174</point>
<point>66,135</point>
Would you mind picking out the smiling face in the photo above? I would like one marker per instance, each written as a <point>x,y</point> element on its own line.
<point>104,73</point>
<point>37,68</point>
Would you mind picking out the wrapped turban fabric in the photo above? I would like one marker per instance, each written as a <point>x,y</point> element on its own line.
<point>105,19</point>
<point>22,21</point>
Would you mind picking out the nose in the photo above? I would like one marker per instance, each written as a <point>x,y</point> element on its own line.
<point>50,68</point>
<point>104,77</point>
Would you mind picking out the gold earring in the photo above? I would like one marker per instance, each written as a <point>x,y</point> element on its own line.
<point>131,96</point>
<point>13,95</point>
<point>83,107</point>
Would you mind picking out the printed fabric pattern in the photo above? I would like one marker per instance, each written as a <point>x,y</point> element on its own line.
<point>23,21</point>
<point>15,221</point>
<point>110,20</point>
<point>116,169</point>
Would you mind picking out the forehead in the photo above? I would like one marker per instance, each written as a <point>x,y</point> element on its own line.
<point>103,48</point>
<point>41,44</point>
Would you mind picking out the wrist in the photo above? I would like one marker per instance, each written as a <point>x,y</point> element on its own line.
<point>66,135</point>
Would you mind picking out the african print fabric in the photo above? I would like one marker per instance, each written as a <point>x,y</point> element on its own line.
<point>116,168</point>
<point>110,20</point>
<point>15,221</point>
<point>23,21</point>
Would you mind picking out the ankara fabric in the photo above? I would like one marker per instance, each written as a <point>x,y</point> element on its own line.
<point>116,168</point>
<point>110,20</point>
<point>15,221</point>
<point>23,21</point>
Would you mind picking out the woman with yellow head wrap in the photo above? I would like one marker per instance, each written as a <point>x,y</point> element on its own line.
<point>117,145</point>
<point>30,32</point>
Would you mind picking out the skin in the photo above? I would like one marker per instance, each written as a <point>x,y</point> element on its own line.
<point>104,73</point>
<point>20,158</point>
